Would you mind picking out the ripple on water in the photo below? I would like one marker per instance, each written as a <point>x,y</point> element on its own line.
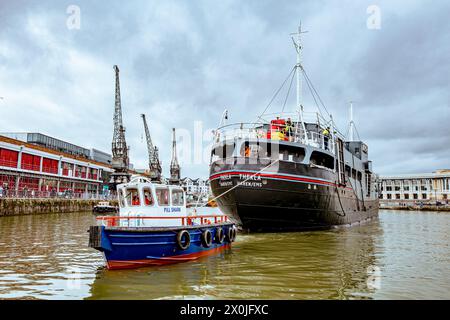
<point>47,257</point>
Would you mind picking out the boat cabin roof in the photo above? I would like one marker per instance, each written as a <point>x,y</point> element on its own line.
<point>140,182</point>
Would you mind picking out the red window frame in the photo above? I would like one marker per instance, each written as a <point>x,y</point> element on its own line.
<point>30,162</point>
<point>50,165</point>
<point>9,158</point>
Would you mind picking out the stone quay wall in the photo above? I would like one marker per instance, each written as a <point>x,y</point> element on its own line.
<point>20,206</point>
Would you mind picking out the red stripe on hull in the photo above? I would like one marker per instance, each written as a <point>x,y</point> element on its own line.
<point>277,176</point>
<point>132,264</point>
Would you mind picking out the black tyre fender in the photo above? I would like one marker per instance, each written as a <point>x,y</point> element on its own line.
<point>231,234</point>
<point>206,238</point>
<point>183,239</point>
<point>234,233</point>
<point>220,235</point>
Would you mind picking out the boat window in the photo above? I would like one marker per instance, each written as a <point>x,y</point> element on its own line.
<point>121,199</point>
<point>322,159</point>
<point>224,151</point>
<point>255,150</point>
<point>292,153</point>
<point>359,175</point>
<point>148,198</point>
<point>177,197</point>
<point>246,150</point>
<point>132,197</point>
<point>348,171</point>
<point>250,150</point>
<point>162,194</point>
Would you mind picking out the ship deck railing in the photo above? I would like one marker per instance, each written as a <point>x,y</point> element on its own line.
<point>124,221</point>
<point>308,117</point>
<point>259,131</point>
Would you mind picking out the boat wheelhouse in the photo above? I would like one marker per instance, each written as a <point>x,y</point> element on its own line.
<point>154,227</point>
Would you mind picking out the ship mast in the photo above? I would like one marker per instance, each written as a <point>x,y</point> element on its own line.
<point>174,165</point>
<point>299,70</point>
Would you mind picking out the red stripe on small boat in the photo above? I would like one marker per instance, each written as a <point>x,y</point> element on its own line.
<point>131,264</point>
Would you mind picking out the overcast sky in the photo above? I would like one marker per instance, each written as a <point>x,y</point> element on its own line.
<point>185,61</point>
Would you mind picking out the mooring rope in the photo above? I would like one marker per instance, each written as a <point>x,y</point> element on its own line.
<point>354,192</point>
<point>342,208</point>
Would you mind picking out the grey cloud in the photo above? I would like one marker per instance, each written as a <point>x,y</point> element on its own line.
<point>185,61</point>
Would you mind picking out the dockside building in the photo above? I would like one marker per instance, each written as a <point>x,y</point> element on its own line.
<point>423,187</point>
<point>39,165</point>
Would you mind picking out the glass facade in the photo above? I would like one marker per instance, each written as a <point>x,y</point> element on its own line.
<point>56,144</point>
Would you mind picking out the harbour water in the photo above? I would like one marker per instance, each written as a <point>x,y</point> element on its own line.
<point>403,255</point>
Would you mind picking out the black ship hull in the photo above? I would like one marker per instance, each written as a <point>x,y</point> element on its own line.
<point>295,198</point>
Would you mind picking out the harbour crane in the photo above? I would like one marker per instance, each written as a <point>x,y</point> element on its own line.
<point>153,155</point>
<point>174,165</point>
<point>120,159</point>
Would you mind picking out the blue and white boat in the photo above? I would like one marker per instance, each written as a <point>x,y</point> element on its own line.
<point>154,227</point>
